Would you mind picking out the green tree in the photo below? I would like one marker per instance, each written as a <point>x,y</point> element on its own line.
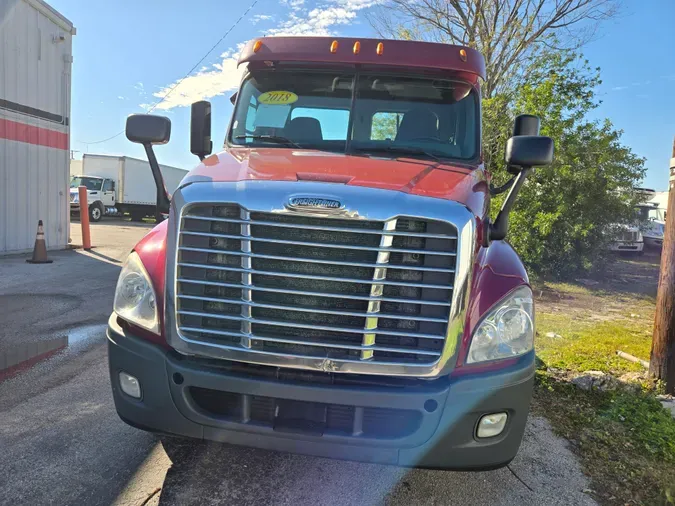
<point>508,33</point>
<point>564,212</point>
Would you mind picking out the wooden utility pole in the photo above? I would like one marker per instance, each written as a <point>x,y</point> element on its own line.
<point>662,361</point>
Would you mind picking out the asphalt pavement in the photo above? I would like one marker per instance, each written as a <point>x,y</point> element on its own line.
<point>61,441</point>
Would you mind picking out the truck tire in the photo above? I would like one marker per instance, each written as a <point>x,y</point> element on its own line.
<point>95,212</point>
<point>137,215</point>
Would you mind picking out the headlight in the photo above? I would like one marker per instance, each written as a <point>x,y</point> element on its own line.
<point>134,296</point>
<point>507,330</point>
<point>74,197</point>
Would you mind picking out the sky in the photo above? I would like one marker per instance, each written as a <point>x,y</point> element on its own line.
<point>129,53</point>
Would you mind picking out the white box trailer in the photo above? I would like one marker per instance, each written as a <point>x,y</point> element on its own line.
<point>134,189</point>
<point>35,76</point>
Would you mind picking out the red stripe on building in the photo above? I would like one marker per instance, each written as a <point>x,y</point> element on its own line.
<point>15,131</point>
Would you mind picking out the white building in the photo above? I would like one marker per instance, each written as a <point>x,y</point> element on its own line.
<point>35,65</point>
<point>661,198</point>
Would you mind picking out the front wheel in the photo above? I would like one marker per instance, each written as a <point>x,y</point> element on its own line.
<point>95,212</point>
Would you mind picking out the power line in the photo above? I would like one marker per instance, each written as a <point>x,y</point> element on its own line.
<point>171,90</point>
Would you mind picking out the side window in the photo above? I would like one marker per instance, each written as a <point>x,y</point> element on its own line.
<point>334,122</point>
<point>384,125</point>
<point>108,186</point>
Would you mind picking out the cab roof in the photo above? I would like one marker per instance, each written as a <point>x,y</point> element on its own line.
<point>368,52</point>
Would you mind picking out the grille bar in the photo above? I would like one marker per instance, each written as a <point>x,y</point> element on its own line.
<point>325,229</point>
<point>316,294</point>
<point>317,260</point>
<point>295,324</point>
<point>415,351</point>
<point>272,353</point>
<point>310,276</point>
<point>318,244</point>
<point>310,310</point>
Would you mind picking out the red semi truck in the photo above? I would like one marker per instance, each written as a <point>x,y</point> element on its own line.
<point>331,283</point>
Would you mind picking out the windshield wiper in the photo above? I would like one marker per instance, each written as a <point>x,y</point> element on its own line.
<point>402,150</point>
<point>269,138</point>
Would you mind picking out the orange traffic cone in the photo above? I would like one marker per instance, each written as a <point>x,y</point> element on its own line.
<point>40,248</point>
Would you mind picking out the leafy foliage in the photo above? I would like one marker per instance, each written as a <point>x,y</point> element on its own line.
<point>564,212</point>
<point>385,125</point>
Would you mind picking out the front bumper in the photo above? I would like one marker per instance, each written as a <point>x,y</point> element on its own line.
<point>446,411</point>
<point>627,246</point>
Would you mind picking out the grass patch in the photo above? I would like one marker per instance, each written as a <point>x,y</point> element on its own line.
<point>591,345</point>
<point>626,441</point>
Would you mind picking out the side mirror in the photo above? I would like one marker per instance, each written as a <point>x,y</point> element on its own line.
<point>148,129</point>
<point>523,152</point>
<point>527,151</point>
<point>200,129</point>
<point>524,124</point>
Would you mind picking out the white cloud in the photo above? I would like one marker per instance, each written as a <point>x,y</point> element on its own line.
<point>224,76</point>
<point>260,17</point>
<point>293,4</point>
<point>220,78</point>
<point>632,85</point>
<point>120,97</point>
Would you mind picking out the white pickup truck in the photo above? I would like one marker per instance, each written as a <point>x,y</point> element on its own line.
<point>119,185</point>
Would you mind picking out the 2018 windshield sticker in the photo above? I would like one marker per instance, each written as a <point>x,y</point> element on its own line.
<point>278,98</point>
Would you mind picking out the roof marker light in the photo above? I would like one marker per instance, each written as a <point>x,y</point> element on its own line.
<point>380,48</point>
<point>257,46</point>
<point>357,47</point>
<point>462,54</point>
<point>334,46</point>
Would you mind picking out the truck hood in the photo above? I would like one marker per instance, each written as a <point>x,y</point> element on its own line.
<point>460,183</point>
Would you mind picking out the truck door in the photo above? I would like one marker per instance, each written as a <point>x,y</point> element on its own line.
<point>108,193</point>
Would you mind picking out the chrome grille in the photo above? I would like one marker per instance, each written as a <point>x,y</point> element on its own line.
<point>312,286</point>
<point>629,236</point>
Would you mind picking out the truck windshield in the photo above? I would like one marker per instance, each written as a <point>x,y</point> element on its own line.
<point>645,213</point>
<point>378,114</point>
<point>92,183</point>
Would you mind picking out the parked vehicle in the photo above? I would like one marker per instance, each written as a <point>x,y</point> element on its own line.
<point>326,287</point>
<point>652,224</point>
<point>629,239</point>
<point>120,184</point>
